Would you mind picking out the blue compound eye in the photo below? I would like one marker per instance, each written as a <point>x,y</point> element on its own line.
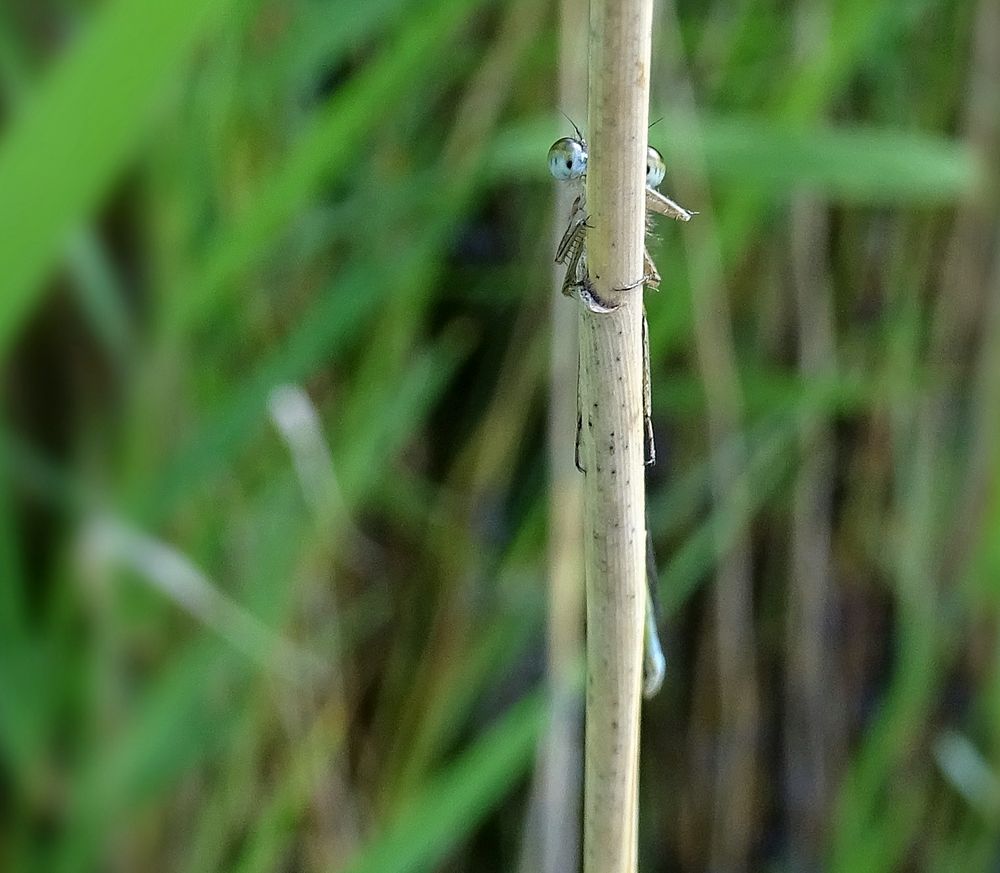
<point>655,168</point>
<point>567,159</point>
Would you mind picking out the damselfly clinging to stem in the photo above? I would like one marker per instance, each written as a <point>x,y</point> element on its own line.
<point>568,162</point>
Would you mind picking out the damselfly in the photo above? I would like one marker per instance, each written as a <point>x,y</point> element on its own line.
<point>568,162</point>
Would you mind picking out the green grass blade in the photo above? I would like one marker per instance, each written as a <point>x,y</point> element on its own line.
<point>326,152</point>
<point>179,722</point>
<point>453,803</point>
<point>850,164</point>
<point>862,165</point>
<point>71,143</point>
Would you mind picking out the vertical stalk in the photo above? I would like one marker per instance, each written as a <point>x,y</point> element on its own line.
<point>813,726</point>
<point>560,778</point>
<point>612,441</point>
<point>736,808</point>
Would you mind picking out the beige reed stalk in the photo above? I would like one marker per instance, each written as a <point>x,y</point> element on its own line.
<point>561,779</point>
<point>612,434</point>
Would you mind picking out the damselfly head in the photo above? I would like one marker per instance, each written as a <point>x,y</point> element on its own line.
<point>568,158</point>
<point>656,169</point>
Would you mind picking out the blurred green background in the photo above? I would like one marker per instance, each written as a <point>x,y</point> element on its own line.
<point>279,508</point>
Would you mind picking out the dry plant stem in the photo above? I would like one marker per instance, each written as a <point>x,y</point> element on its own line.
<point>982,131</point>
<point>959,320</point>
<point>612,439</point>
<point>811,720</point>
<point>417,734</point>
<point>813,727</point>
<point>559,776</point>
<point>736,807</point>
<point>930,558</point>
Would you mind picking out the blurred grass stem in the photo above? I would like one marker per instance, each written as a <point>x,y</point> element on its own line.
<point>813,727</point>
<point>557,835</point>
<point>107,542</point>
<point>737,764</point>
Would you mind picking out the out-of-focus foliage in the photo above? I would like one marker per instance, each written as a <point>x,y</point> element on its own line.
<point>274,294</point>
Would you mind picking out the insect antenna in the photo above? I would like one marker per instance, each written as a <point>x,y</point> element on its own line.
<point>579,134</point>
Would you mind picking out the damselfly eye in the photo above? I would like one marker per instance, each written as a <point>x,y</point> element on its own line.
<point>567,159</point>
<point>655,168</point>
